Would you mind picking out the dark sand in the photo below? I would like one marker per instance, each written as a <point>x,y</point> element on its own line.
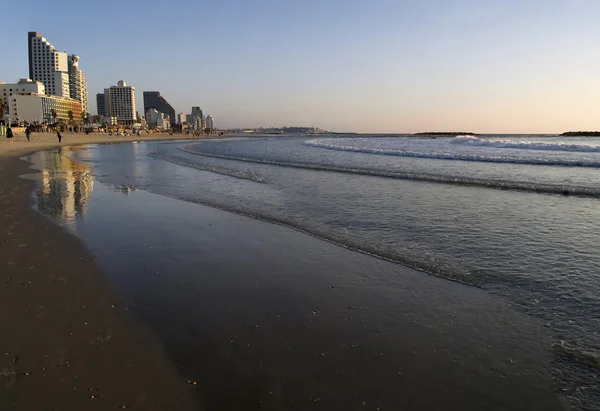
<point>67,342</point>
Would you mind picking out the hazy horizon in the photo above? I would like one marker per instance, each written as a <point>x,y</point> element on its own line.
<point>355,66</point>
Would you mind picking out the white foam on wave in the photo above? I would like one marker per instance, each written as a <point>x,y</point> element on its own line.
<point>182,161</point>
<point>524,145</point>
<point>541,188</point>
<point>444,154</point>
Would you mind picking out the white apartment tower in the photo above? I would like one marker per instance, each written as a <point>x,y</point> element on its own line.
<point>119,102</point>
<point>77,83</point>
<point>48,65</point>
<point>210,123</point>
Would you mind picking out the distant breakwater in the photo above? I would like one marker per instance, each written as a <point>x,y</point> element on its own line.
<point>581,134</point>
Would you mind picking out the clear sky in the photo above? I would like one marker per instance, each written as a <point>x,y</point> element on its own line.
<point>344,65</point>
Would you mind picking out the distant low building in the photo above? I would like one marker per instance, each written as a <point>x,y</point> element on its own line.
<point>155,118</point>
<point>140,121</point>
<point>111,121</point>
<point>194,122</point>
<point>24,86</point>
<point>37,108</point>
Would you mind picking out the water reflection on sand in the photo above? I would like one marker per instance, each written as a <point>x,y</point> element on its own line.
<point>65,186</point>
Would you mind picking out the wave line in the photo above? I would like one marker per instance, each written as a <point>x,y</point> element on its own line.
<point>577,191</point>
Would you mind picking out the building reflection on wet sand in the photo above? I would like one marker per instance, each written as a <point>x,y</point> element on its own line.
<point>66,186</point>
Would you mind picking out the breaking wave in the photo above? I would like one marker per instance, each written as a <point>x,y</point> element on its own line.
<point>183,161</point>
<point>331,144</point>
<point>579,191</point>
<point>524,145</point>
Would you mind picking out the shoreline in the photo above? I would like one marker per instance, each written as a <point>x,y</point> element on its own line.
<point>47,141</point>
<point>65,334</point>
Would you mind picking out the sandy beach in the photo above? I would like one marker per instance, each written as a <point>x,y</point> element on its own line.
<point>67,342</point>
<point>44,141</point>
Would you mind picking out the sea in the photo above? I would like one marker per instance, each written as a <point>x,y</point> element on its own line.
<point>404,235</point>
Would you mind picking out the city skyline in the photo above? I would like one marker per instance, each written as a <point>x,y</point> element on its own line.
<point>344,66</point>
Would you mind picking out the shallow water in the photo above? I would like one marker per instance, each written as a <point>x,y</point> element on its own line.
<point>454,218</point>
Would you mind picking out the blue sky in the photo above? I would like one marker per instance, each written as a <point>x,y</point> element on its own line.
<point>344,65</point>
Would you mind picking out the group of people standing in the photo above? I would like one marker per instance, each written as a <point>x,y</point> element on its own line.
<point>10,134</point>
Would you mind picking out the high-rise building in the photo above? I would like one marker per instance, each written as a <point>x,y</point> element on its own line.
<point>181,118</point>
<point>101,104</point>
<point>194,122</point>
<point>77,83</point>
<point>197,111</point>
<point>119,101</point>
<point>48,65</point>
<point>153,99</point>
<point>210,123</point>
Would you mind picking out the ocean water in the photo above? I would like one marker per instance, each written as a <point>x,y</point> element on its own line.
<point>516,216</point>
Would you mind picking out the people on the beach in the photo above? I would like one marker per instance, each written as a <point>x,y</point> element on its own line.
<point>58,135</point>
<point>9,134</point>
<point>28,133</point>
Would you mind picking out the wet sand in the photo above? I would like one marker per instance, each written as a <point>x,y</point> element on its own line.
<point>67,341</point>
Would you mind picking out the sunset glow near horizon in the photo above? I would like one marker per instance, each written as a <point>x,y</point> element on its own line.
<point>357,66</point>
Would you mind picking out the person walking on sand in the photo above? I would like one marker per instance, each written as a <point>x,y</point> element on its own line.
<point>9,134</point>
<point>58,135</point>
<point>28,133</point>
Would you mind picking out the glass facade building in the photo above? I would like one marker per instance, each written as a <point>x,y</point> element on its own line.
<point>153,100</point>
<point>62,107</point>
